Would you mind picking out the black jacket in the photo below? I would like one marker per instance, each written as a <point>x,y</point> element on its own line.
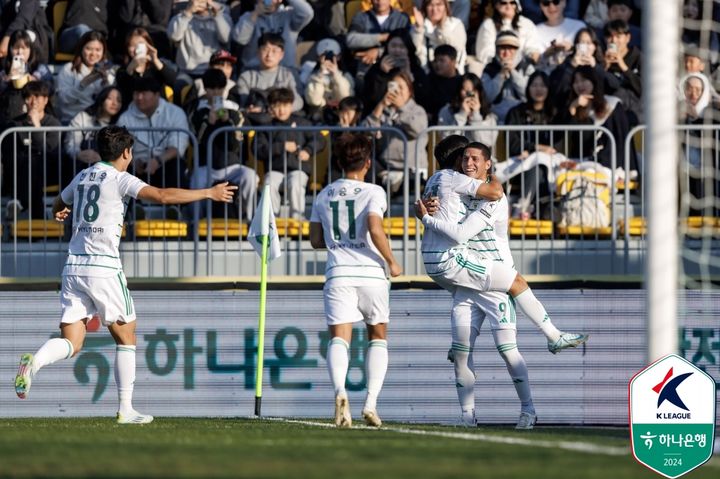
<point>629,88</point>
<point>308,141</point>
<point>28,16</point>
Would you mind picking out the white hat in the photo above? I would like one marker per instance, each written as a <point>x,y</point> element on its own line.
<point>328,44</point>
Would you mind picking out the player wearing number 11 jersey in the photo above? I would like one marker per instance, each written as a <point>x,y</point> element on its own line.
<point>93,280</point>
<point>347,220</point>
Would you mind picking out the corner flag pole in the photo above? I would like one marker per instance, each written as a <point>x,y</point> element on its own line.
<point>263,294</point>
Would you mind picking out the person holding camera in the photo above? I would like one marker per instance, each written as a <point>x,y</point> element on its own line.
<point>141,60</point>
<point>328,83</point>
<point>79,81</point>
<point>624,63</point>
<point>198,31</point>
<point>470,107</point>
<point>555,34</point>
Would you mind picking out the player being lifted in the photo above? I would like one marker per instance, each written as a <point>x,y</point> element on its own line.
<point>347,220</point>
<point>451,263</point>
<point>93,279</point>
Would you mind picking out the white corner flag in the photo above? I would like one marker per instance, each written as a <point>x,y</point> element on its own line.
<point>263,223</point>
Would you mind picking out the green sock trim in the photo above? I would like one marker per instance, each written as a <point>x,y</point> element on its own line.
<point>340,341</point>
<point>506,347</point>
<point>379,343</point>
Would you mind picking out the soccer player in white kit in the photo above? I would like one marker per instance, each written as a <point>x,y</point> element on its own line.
<point>347,220</point>
<point>93,279</point>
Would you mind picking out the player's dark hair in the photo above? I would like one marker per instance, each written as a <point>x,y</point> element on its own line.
<point>112,141</point>
<point>449,150</point>
<point>476,145</point>
<point>353,150</point>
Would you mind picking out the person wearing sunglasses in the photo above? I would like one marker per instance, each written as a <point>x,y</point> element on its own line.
<point>533,11</point>
<point>555,35</point>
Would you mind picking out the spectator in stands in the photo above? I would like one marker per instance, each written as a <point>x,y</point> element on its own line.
<point>369,30</point>
<point>556,34</point>
<point>288,152</point>
<point>141,60</point>
<point>586,51</point>
<point>81,80</point>
<point>398,109</point>
<point>399,55</point>
<point>506,16</point>
<point>270,74</point>
<point>469,107</point>
<point>533,11</point>
<point>158,155</point>
<point>79,145</point>
<point>215,111</point>
<point>443,81</point>
<point>81,17</point>
<point>524,146</point>
<point>198,31</point>
<point>506,77</point>
<point>271,16</point>
<point>435,26</point>
<point>328,83</point>
<point>151,15</point>
<point>588,105</point>
<point>23,15</point>
<point>221,60</point>
<point>624,63</point>
<point>596,14</point>
<point>694,63</point>
<point>622,10</point>
<point>35,164</point>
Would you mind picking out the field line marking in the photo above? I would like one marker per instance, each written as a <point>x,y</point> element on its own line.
<point>567,445</point>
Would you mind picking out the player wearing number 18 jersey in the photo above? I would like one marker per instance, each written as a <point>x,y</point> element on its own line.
<point>93,280</point>
<point>347,220</point>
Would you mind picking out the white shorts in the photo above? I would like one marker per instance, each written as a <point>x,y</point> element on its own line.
<point>83,296</point>
<point>350,304</point>
<point>470,309</point>
<point>468,270</point>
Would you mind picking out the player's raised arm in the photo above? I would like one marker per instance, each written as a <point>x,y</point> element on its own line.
<point>220,192</point>
<point>380,240</point>
<point>492,190</point>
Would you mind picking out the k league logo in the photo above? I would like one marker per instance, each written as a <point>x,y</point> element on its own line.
<point>672,416</point>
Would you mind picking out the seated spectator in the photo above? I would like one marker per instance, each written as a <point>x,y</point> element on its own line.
<point>270,74</point>
<point>198,31</point>
<point>81,17</point>
<point>328,83</point>
<point>79,145</point>
<point>470,107</point>
<point>215,111</point>
<point>399,55</point>
<point>141,60</point>
<point>369,30</point>
<point>158,156</point>
<point>506,16</point>
<point>586,51</point>
<point>596,14</point>
<point>36,164</point>
<point>81,80</point>
<point>20,67</point>
<point>288,152</point>
<point>505,78</point>
<point>624,63</point>
<point>435,26</point>
<point>443,82</point>
<point>152,16</point>
<point>221,60</point>
<point>533,11</point>
<point>347,114</point>
<point>694,63</point>
<point>588,105</point>
<point>556,34</point>
<point>622,10</point>
<point>398,109</point>
<point>271,16</point>
<point>23,15</point>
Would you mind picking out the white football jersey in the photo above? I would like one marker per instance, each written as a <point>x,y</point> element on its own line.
<point>342,208</point>
<point>491,240</point>
<point>98,198</point>
<point>448,186</point>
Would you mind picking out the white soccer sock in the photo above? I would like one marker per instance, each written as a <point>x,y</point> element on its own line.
<point>505,341</point>
<point>464,377</point>
<point>337,362</point>
<point>53,350</point>
<point>376,364</point>
<point>125,376</point>
<point>535,311</point>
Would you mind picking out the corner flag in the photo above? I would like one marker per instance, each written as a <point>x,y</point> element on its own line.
<point>263,224</point>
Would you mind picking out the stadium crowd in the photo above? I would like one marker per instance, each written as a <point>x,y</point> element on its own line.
<point>401,63</point>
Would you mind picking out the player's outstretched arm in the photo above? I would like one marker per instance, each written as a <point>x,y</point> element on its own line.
<point>460,233</point>
<point>317,236</point>
<point>492,190</point>
<point>380,240</point>
<point>172,196</point>
<point>60,210</point>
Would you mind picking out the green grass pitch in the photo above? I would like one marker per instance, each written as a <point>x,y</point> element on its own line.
<point>182,447</point>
